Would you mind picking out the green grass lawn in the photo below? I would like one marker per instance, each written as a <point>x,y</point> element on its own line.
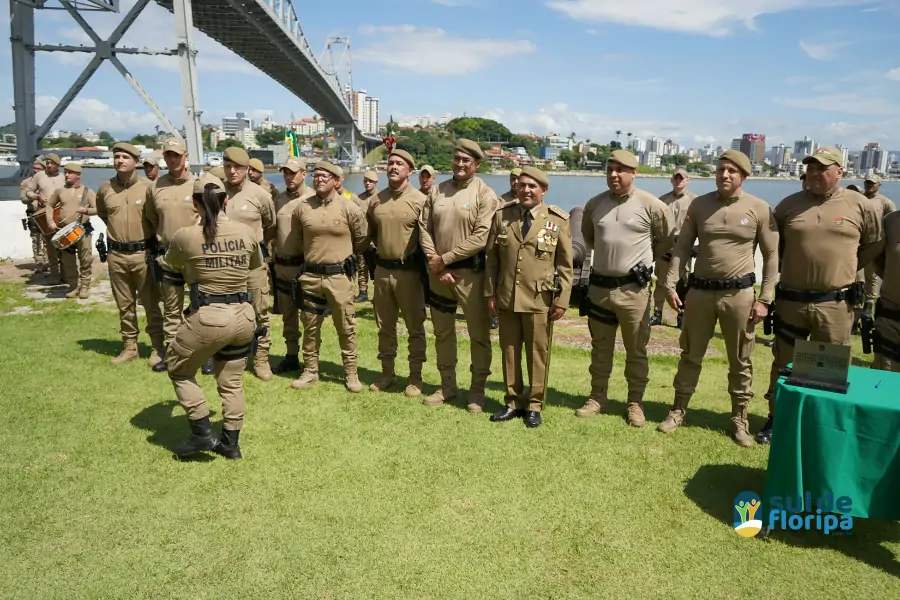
<point>376,495</point>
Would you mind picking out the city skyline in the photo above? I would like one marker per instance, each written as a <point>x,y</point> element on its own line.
<point>679,69</point>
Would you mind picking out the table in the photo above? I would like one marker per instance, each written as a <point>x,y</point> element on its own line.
<point>846,444</point>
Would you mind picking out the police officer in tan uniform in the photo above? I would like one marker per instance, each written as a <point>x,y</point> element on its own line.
<point>370,183</point>
<point>251,205</point>
<point>255,173</point>
<point>453,230</point>
<point>37,239</point>
<point>683,196</point>
<point>872,186</point>
<point>426,179</point>
<point>393,219</point>
<point>216,172</point>
<point>827,234</point>
<point>729,224</point>
<point>151,168</point>
<point>42,187</point>
<point>216,257</point>
<point>120,204</point>
<point>75,202</point>
<point>168,208</point>
<point>510,196</point>
<point>627,228</point>
<point>328,230</point>
<point>529,251</point>
<point>886,336</point>
<point>288,262</point>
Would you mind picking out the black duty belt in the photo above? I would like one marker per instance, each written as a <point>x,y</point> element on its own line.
<point>476,262</point>
<point>173,278</point>
<point>115,246</point>
<point>440,303</point>
<point>233,352</point>
<point>289,261</point>
<point>605,281</point>
<point>409,262</point>
<point>839,295</point>
<point>888,313</point>
<point>734,283</point>
<point>204,299</point>
<point>313,304</point>
<point>324,269</point>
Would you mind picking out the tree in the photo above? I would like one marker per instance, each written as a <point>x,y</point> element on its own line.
<point>148,140</point>
<point>273,137</point>
<point>106,139</point>
<point>618,133</point>
<point>229,143</point>
<point>629,134</point>
<point>478,129</point>
<point>572,136</point>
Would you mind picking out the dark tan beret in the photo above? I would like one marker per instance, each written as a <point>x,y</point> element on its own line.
<point>469,147</point>
<point>405,156</point>
<point>537,175</point>
<point>237,155</point>
<point>741,160</point>
<point>324,165</point>
<point>624,158</point>
<point>127,148</point>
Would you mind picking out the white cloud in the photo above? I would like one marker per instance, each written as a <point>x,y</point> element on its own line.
<point>434,51</point>
<point>824,51</point>
<point>893,74</point>
<point>705,17</point>
<point>862,102</point>
<point>94,113</point>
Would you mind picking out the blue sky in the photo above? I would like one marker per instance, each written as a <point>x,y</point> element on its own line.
<point>699,71</point>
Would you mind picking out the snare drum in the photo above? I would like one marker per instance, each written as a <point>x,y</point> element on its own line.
<point>68,236</point>
<point>40,219</point>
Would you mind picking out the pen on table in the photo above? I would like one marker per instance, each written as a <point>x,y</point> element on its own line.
<point>877,384</point>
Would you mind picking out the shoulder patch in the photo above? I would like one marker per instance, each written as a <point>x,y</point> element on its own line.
<point>558,211</point>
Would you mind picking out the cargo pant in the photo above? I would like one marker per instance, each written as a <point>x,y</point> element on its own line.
<point>258,286</point>
<point>290,316</point>
<point>38,249</point>
<point>528,329</point>
<point>631,306</point>
<point>172,293</point>
<point>731,308</point>
<point>828,322</point>
<point>53,258</point>
<point>321,293</point>
<point>78,275</point>
<point>400,291</point>
<point>887,341</point>
<point>468,294</point>
<point>873,283</point>
<point>362,274</point>
<point>130,281</point>
<point>223,332</point>
<point>660,269</point>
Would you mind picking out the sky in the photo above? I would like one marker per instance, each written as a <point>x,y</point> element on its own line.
<point>698,72</point>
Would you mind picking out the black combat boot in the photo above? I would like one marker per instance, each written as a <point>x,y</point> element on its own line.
<point>495,322</point>
<point>363,297</point>
<point>228,444</point>
<point>208,368</point>
<point>679,320</point>
<point>201,439</point>
<point>290,363</point>
<point>656,319</point>
<point>764,435</point>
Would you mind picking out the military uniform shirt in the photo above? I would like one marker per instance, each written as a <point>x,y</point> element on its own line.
<point>887,205</point>
<point>456,219</point>
<point>268,187</point>
<point>46,184</point>
<point>327,231</point>
<point>286,237</point>
<point>728,230</point>
<point>394,221</point>
<point>505,199</point>
<point>625,231</point>
<point>68,199</point>
<point>28,185</point>
<point>121,206</point>
<point>170,206</point>
<point>826,239</point>
<point>220,266</point>
<point>678,206</point>
<point>887,265</point>
<point>251,205</point>
<point>520,269</point>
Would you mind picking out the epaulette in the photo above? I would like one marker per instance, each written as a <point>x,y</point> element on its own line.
<point>558,211</point>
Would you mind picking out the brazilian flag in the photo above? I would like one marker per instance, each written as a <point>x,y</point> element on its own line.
<point>290,139</point>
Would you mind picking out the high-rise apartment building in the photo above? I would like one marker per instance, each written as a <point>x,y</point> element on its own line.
<point>233,125</point>
<point>805,147</point>
<point>872,157</point>
<point>754,146</point>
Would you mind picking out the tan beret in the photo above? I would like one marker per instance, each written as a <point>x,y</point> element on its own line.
<point>371,176</point>
<point>257,165</point>
<point>825,155</point>
<point>175,145</point>
<point>624,158</point>
<point>469,147</point>
<point>537,175</point>
<point>218,173</point>
<point>741,160</point>
<point>206,179</point>
<point>428,169</point>
<point>324,165</point>
<point>151,161</point>
<point>52,157</point>
<point>73,167</point>
<point>294,165</point>
<point>127,148</point>
<point>405,156</point>
<point>873,179</point>
<point>237,155</point>
<point>515,172</point>
<point>681,171</point>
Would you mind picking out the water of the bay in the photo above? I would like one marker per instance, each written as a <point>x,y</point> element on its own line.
<point>566,191</point>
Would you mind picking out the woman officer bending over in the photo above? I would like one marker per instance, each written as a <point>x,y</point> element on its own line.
<point>215,257</point>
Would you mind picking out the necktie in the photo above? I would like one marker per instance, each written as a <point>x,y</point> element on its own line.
<point>526,223</point>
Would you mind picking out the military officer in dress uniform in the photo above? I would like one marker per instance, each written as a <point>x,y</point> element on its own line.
<point>216,257</point>
<point>510,196</point>
<point>255,174</point>
<point>827,234</point>
<point>168,208</point>
<point>627,228</point>
<point>426,179</point>
<point>453,230</point>
<point>151,168</point>
<point>886,336</point>
<point>328,230</point>
<point>120,204</point>
<point>37,239</point>
<point>872,185</point>
<point>529,282</point>
<point>729,224</point>
<point>393,219</point>
<point>43,186</point>
<point>75,202</point>
<point>251,205</point>
<point>683,196</point>
<point>288,265</point>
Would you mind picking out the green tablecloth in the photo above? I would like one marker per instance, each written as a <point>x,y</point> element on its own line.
<point>846,444</point>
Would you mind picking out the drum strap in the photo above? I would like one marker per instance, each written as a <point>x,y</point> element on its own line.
<point>83,198</point>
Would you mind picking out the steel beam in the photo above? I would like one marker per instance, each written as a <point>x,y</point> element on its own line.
<point>144,96</point>
<point>92,50</point>
<point>21,24</point>
<point>187,59</point>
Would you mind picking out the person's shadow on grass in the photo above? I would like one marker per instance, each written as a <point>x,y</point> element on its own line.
<point>714,487</point>
<point>110,347</point>
<point>167,428</point>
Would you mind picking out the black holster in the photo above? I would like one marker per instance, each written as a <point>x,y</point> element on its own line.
<point>260,332</point>
<point>350,267</point>
<point>641,274</point>
<point>769,321</point>
<point>101,248</point>
<point>25,223</point>
<point>371,256</point>
<point>856,294</point>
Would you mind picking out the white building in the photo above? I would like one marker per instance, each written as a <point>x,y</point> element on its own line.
<point>365,110</point>
<point>651,159</point>
<point>845,154</point>
<point>247,137</point>
<point>89,135</point>
<point>232,125</point>
<point>781,155</point>
<point>309,127</point>
<point>805,147</point>
<point>268,124</point>
<point>638,145</point>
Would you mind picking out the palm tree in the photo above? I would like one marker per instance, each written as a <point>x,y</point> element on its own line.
<point>629,134</point>
<point>572,135</point>
<point>618,133</point>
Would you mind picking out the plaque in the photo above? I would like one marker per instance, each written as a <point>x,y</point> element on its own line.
<point>820,366</point>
